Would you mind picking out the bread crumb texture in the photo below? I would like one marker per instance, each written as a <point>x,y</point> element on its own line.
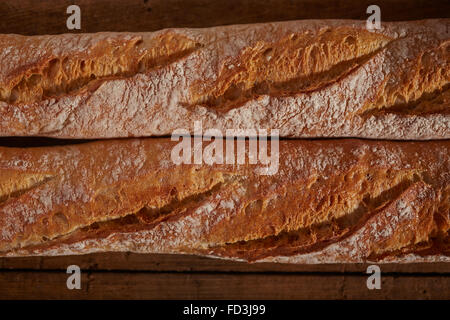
<point>87,62</point>
<point>307,78</point>
<point>331,201</point>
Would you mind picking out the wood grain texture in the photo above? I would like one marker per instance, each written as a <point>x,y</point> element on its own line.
<point>117,261</point>
<point>31,17</point>
<point>112,285</point>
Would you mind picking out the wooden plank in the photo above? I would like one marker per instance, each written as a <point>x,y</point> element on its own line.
<point>113,285</point>
<point>190,263</point>
<point>49,16</point>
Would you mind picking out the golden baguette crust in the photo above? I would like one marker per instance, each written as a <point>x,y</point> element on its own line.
<point>312,78</point>
<point>341,200</point>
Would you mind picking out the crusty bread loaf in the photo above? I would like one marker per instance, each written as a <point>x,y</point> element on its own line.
<point>336,200</point>
<point>327,78</point>
<point>342,200</point>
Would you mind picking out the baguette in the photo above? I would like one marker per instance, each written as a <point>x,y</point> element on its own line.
<point>331,201</point>
<point>312,78</point>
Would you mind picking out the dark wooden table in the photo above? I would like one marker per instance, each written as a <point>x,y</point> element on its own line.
<point>150,276</point>
<point>125,275</point>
